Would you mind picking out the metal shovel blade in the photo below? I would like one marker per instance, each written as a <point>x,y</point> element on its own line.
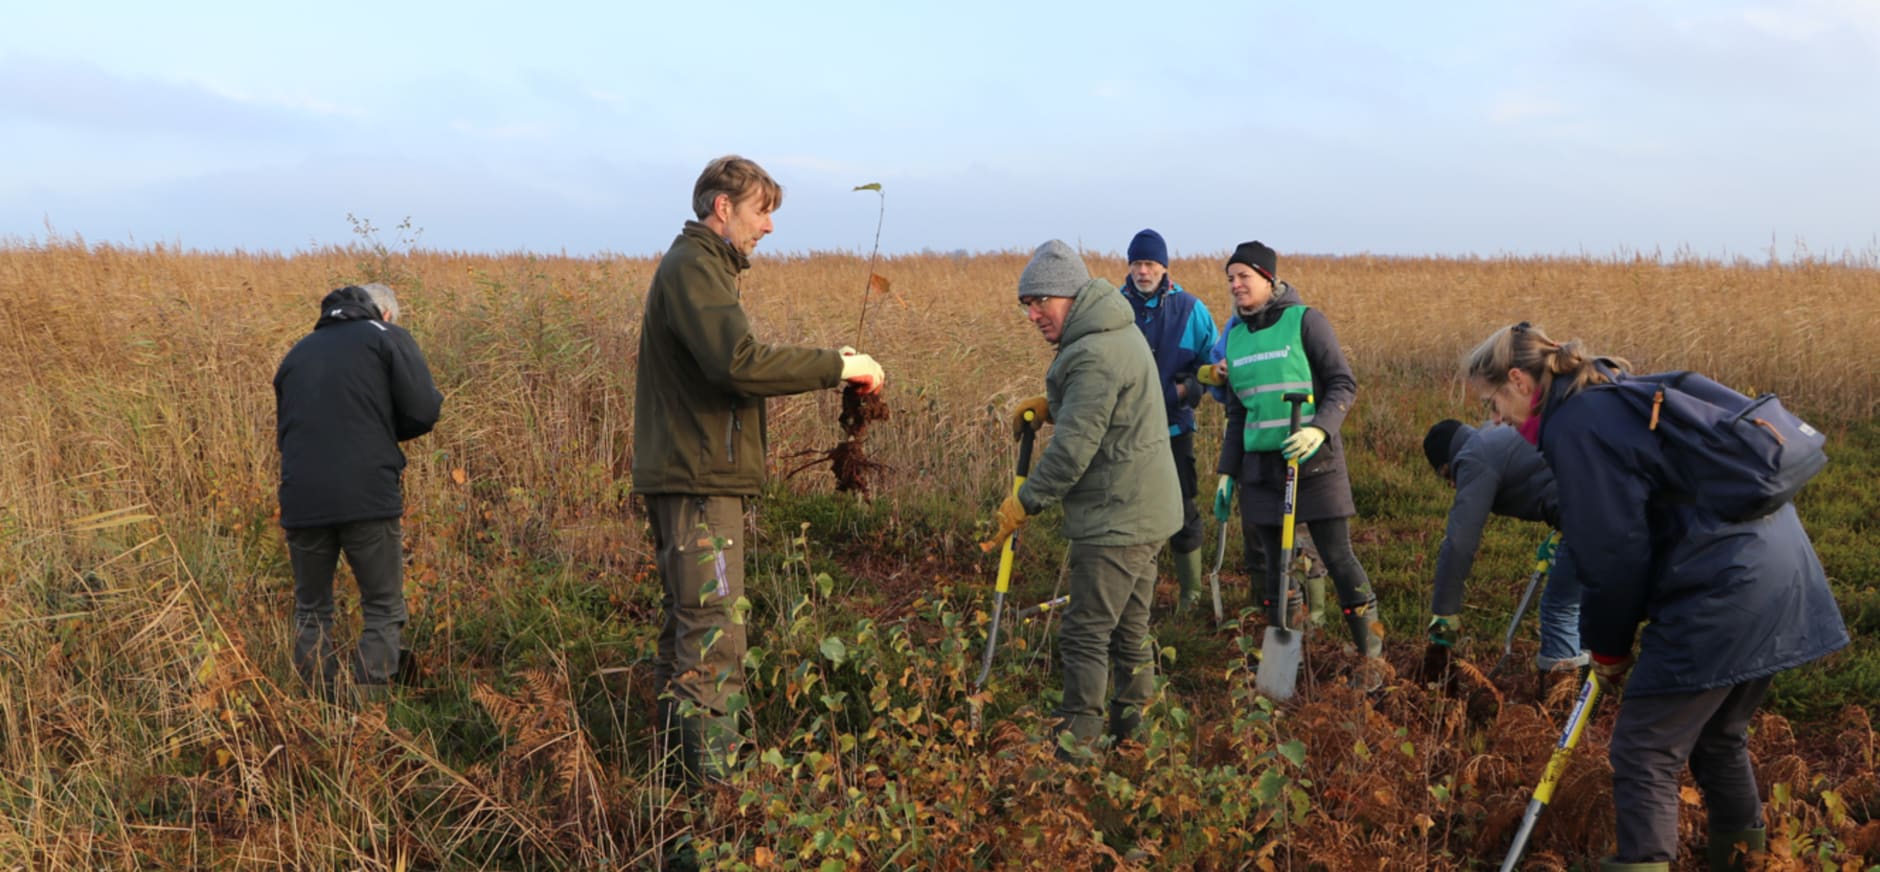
<point>1214,578</point>
<point>1280,649</point>
<point>1279,663</point>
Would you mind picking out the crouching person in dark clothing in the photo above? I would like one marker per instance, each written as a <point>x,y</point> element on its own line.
<point>1725,605</point>
<point>344,397</point>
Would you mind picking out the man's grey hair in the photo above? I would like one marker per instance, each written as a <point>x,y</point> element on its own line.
<point>383,298</point>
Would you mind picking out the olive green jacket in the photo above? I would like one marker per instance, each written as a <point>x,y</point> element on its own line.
<point>1108,460</point>
<point>701,379</point>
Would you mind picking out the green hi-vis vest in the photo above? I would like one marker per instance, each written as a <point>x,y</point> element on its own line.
<point>1264,366</point>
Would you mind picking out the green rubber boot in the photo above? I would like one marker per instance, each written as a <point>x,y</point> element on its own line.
<point>1084,729</point>
<point>707,747</point>
<point>1367,632</point>
<point>1367,628</point>
<point>1315,601</point>
<point>1722,854</point>
<point>1188,580</point>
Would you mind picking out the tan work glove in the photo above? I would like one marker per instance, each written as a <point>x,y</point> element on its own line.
<point>1040,410</point>
<point>1011,516</point>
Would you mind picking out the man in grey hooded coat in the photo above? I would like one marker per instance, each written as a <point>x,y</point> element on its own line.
<point>1109,463</point>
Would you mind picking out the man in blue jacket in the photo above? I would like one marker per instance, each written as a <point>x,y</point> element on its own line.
<point>345,396</point>
<point>1180,333</point>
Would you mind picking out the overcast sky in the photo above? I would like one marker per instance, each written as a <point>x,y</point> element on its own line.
<point>1718,127</point>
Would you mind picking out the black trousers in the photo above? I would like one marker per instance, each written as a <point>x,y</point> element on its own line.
<point>1188,538</point>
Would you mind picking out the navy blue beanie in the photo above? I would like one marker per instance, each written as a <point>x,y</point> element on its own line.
<point>1148,245</point>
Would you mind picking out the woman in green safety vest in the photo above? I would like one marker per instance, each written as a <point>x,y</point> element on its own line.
<point>1281,346</point>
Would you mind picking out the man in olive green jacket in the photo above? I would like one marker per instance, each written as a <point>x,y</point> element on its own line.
<point>698,452</point>
<point>1109,463</point>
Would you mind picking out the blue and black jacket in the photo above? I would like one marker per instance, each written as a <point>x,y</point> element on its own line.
<point>1181,335</point>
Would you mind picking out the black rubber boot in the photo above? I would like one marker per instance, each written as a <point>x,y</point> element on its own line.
<point>1125,721</point>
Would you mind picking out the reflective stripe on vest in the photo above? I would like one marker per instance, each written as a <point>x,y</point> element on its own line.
<point>1263,366</point>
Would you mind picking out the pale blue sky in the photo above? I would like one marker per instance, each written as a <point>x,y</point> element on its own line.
<point>1721,127</point>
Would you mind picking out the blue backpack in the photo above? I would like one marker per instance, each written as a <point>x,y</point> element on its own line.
<point>1739,457</point>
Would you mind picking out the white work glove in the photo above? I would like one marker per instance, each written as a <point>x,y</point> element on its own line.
<point>1224,498</point>
<point>1302,445</point>
<point>862,370</point>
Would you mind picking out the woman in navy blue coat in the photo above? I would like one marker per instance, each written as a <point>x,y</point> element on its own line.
<point>1725,605</point>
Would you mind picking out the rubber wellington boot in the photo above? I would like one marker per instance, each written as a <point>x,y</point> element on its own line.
<point>707,747</point>
<point>1367,628</point>
<point>1084,729</point>
<point>1125,720</point>
<point>1367,632</point>
<point>1315,601</point>
<point>1613,866</point>
<point>1188,581</point>
<point>1298,610</point>
<point>1722,854</point>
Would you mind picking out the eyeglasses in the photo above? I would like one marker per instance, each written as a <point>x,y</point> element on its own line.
<point>1031,302</point>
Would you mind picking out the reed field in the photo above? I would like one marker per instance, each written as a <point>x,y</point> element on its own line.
<point>149,717</point>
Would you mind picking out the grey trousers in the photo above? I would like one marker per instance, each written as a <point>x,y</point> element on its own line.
<point>699,544</point>
<point>1102,643</point>
<point>1654,738</point>
<point>375,551</point>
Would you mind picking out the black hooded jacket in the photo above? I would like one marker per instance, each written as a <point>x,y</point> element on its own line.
<point>344,397</point>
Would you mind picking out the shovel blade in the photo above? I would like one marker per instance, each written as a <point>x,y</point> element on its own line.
<point>1278,675</point>
<point>1214,577</point>
<point>1214,587</point>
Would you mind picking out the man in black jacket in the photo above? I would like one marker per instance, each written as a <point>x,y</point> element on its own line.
<point>345,396</point>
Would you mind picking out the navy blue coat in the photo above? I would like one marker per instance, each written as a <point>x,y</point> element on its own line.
<point>1726,602</point>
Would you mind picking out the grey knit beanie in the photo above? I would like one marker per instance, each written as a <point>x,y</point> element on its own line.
<point>1055,271</point>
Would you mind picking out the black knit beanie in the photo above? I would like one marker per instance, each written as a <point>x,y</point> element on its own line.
<point>1264,260</point>
<point>1440,444</point>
